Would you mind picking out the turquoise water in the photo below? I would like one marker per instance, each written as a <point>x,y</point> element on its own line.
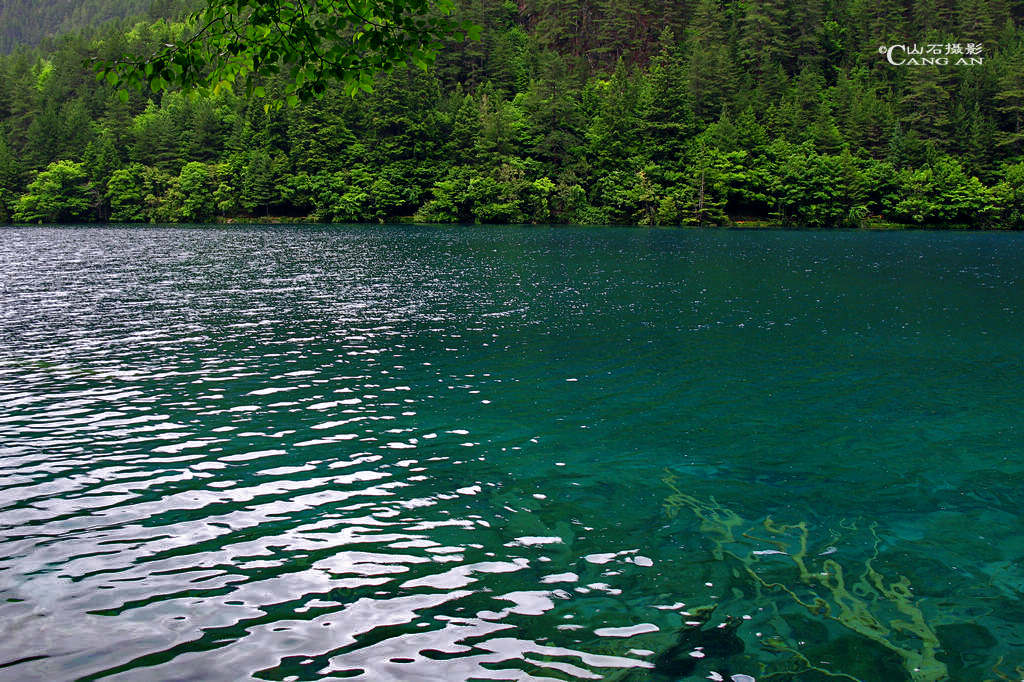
<point>410,453</point>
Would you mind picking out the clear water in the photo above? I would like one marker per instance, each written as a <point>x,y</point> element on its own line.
<point>500,453</point>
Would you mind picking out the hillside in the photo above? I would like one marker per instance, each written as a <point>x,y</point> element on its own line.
<point>26,23</point>
<point>699,112</point>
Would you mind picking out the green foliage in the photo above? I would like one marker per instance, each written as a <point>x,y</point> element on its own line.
<point>191,194</point>
<point>243,42</point>
<point>10,168</point>
<point>943,193</point>
<point>464,196</point>
<point>28,22</point>
<point>126,194</point>
<point>700,113</point>
<point>60,193</point>
<point>1009,196</point>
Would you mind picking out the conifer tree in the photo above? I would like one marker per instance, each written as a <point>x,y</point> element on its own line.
<point>667,115</point>
<point>925,104</point>
<point>1009,102</point>
<point>762,42</point>
<point>710,71</point>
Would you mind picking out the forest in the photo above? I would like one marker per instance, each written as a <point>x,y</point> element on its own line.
<point>26,23</point>
<point>652,112</point>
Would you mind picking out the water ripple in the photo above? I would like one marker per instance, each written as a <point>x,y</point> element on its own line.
<point>426,454</point>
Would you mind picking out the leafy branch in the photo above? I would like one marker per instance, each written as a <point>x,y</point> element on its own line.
<point>311,43</point>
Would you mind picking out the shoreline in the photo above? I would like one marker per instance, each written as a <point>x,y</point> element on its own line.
<point>752,225</point>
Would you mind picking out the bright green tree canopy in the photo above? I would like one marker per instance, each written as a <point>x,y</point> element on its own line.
<point>309,42</point>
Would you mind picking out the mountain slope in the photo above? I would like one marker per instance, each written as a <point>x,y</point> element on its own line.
<point>25,23</point>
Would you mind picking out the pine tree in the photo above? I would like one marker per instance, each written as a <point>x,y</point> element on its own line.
<point>667,119</point>
<point>101,159</point>
<point>10,179</point>
<point>710,72</point>
<point>762,43</point>
<point>10,168</point>
<point>925,105</point>
<point>1009,102</point>
<point>980,138</point>
<point>465,128</point>
<point>824,132</point>
<point>750,135</point>
<point>929,16</point>
<point>76,130</point>
<point>613,133</point>
<point>320,139</point>
<point>553,119</point>
<point>886,21</point>
<point>870,123</point>
<point>806,34</point>
<point>155,141</point>
<point>977,21</point>
<point>43,139</point>
<point>258,181</point>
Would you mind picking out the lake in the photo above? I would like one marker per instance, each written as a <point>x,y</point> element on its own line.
<point>446,453</point>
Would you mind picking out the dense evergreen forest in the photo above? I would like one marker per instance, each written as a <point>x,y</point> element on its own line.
<point>27,23</point>
<point>662,112</point>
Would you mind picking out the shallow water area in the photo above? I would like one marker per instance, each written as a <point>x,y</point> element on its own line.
<point>436,453</point>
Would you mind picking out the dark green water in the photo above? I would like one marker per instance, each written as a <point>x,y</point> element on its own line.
<point>475,453</point>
